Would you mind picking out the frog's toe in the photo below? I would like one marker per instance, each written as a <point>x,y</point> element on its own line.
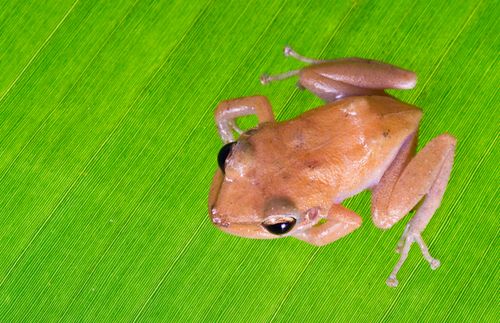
<point>392,281</point>
<point>435,263</point>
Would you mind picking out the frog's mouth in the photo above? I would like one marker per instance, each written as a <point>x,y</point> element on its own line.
<point>270,228</point>
<point>214,189</point>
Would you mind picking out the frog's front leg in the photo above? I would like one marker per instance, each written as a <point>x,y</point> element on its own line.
<point>408,181</point>
<point>335,79</point>
<point>228,111</point>
<point>339,222</point>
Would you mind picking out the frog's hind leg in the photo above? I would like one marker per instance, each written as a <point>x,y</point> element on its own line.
<point>330,89</point>
<point>338,78</point>
<point>407,182</point>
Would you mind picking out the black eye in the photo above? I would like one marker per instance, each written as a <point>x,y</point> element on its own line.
<point>223,153</point>
<point>281,227</point>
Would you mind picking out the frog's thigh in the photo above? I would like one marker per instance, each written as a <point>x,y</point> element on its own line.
<point>425,175</point>
<point>330,89</point>
<point>381,194</point>
<point>354,76</point>
<point>228,111</point>
<point>339,222</point>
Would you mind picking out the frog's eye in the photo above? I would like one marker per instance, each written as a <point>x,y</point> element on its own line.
<point>280,226</point>
<point>223,154</point>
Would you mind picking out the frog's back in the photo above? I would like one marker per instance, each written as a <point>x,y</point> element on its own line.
<point>373,122</point>
<point>338,149</point>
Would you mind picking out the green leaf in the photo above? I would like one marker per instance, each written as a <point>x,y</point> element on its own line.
<point>108,147</point>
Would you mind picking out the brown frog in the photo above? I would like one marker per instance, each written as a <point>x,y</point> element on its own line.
<point>289,178</point>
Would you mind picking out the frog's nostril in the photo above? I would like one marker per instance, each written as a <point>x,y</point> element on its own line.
<point>279,226</point>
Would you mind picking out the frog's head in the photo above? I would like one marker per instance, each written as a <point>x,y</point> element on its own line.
<point>243,200</point>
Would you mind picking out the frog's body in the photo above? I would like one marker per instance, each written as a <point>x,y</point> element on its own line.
<point>289,178</point>
<point>335,151</point>
<point>339,149</point>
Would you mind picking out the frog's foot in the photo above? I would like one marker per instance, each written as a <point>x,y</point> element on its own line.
<point>404,245</point>
<point>288,51</point>
<point>401,241</point>
<point>265,78</point>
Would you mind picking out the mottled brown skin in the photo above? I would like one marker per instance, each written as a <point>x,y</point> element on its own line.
<point>297,172</point>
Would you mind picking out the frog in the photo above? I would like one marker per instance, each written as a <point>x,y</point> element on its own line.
<point>289,178</point>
